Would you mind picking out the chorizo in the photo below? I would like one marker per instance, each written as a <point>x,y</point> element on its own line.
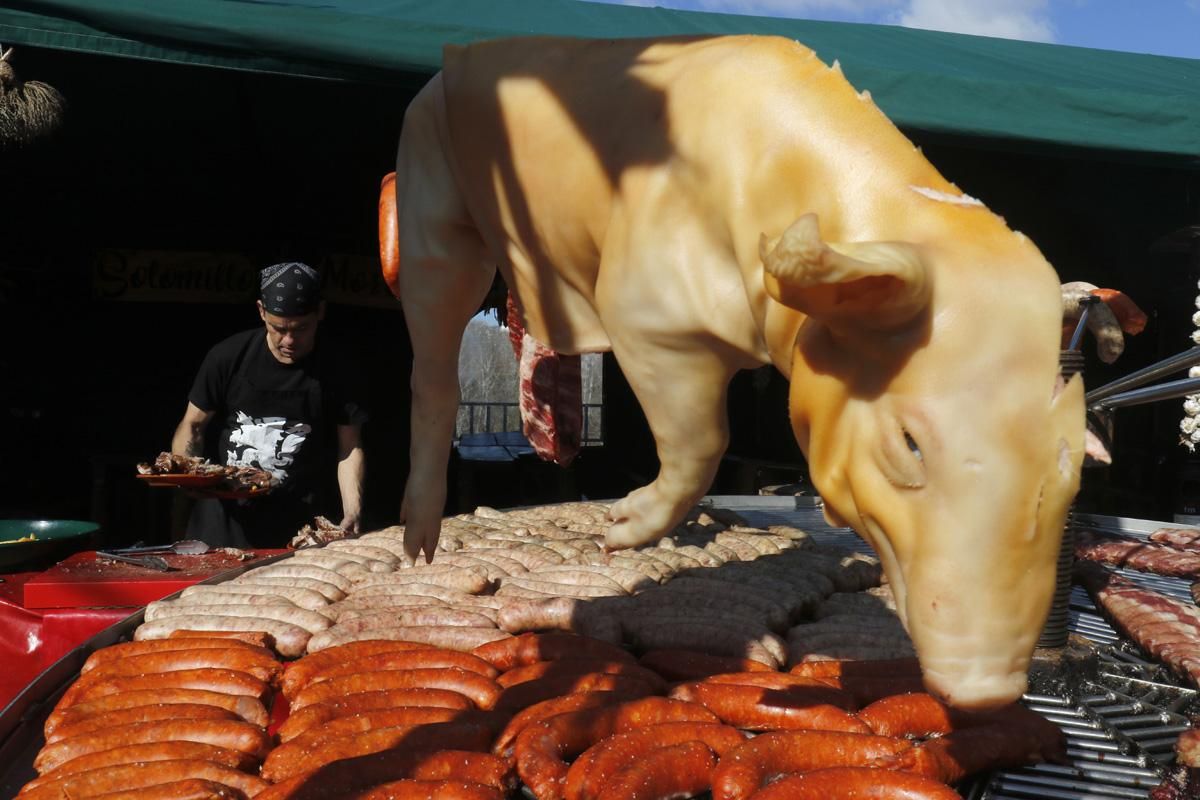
<point>530,648</point>
<point>126,649</point>
<point>230,734</point>
<point>399,717</point>
<point>408,659</point>
<point>146,713</point>
<point>480,690</point>
<point>189,789</point>
<point>146,753</point>
<point>523,695</point>
<point>465,765</point>
<point>319,713</point>
<point>768,756</point>
<point>756,709</point>
<point>690,665</point>
<point>503,746</point>
<point>600,763</point>
<point>881,668</point>
<point>409,789</point>
<point>247,708</point>
<point>262,667</point>
<point>579,666</point>
<point>98,782</point>
<point>298,673</point>
<point>868,783</point>
<point>227,681</point>
<point>678,770</point>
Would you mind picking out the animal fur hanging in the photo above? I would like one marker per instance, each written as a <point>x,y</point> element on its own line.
<point>28,109</point>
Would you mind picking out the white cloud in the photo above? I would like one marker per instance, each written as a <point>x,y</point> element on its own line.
<point>1010,19</point>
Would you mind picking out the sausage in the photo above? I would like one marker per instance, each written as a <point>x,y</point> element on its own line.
<point>867,689</point>
<point>690,665</point>
<point>678,770</point>
<point>462,638</point>
<point>263,667</point>
<point>230,734</point>
<point>764,758</point>
<point>226,681</point>
<point>564,587</point>
<point>461,579</point>
<point>530,648</point>
<point>430,615</point>
<point>1014,741</point>
<point>389,233</point>
<point>352,565</point>
<point>430,790</point>
<point>267,583</point>
<point>480,690</point>
<point>542,749</point>
<point>917,715</point>
<point>139,776</point>
<point>290,640</point>
<point>147,713</point>
<point>526,694</point>
<point>190,789</point>
<point>464,765</point>
<point>257,638</point>
<point>601,763</point>
<point>244,707</point>
<point>288,570</point>
<point>286,761</point>
<point>379,552</point>
<point>311,621</point>
<point>126,649</point>
<point>503,746</point>
<point>882,668</point>
<point>399,717</point>
<point>297,674</point>
<point>257,594</point>
<point>756,709</point>
<point>774,680</point>
<point>408,659</point>
<point>319,713</point>
<point>579,666</point>
<point>868,783</point>
<point>150,752</point>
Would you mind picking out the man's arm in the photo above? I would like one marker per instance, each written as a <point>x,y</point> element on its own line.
<point>350,470</point>
<point>189,435</point>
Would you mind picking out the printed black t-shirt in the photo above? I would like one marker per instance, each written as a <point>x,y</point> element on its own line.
<point>279,417</point>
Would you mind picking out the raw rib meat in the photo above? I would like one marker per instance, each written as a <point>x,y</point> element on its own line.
<point>551,394</point>
<point>1160,559</point>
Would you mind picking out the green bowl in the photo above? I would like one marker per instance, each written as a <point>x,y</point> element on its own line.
<point>56,538</point>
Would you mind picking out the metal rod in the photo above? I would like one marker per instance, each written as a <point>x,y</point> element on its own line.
<point>1150,394</point>
<point>1087,303</point>
<point>1183,360</point>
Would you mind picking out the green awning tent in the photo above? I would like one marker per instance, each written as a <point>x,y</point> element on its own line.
<point>1031,95</point>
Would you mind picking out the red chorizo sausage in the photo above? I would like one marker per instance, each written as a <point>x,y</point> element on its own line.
<point>881,668</point>
<point>541,749</point>
<point>526,694</point>
<point>773,680</point>
<point>690,665</point>
<point>481,691</point>
<point>403,717</point>
<point>258,638</point>
<point>429,790</point>
<point>126,716</point>
<point>464,765</point>
<point>579,666</point>
<point>529,648</point>
<point>140,776</point>
<point>868,783</point>
<point>389,236</point>
<point>679,770</point>
<point>231,734</point>
<point>297,674</point>
<point>408,659</point>
<point>191,789</point>
<point>227,681</point>
<point>770,755</point>
<point>319,713</point>
<point>537,712</point>
<point>157,663</point>
<point>144,753</point>
<point>248,708</point>
<point>908,715</point>
<point>996,745</point>
<point>598,765</point>
<point>758,709</point>
<point>127,649</point>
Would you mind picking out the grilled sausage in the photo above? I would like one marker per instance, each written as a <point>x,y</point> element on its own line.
<point>148,713</point>
<point>227,681</point>
<point>480,690</point>
<point>319,713</point>
<point>98,782</point>
<point>229,734</point>
<point>190,789</point>
<point>503,746</point>
<point>408,659</point>
<point>523,695</point>
<point>690,665</point>
<point>146,753</point>
<point>868,783</point>
<point>530,648</point>
<point>430,790</point>
<point>262,667</point>
<point>246,708</point>
<point>678,770</point>
<point>757,709</point>
<point>126,649</point>
<point>297,674</point>
<point>579,666</point>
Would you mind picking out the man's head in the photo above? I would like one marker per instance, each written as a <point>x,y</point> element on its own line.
<point>290,306</point>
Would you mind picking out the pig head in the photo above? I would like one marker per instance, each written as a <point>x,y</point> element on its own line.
<point>700,206</point>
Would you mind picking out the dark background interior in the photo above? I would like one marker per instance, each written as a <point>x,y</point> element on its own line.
<point>161,156</point>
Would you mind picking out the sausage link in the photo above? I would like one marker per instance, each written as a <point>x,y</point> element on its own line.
<point>690,665</point>
<point>126,649</point>
<point>319,713</point>
<point>530,648</point>
<point>480,690</point>
<point>146,753</point>
<point>190,789</point>
<point>287,762</point>
<point>140,776</point>
<point>126,716</point>
<point>775,680</point>
<point>223,733</point>
<point>402,717</point>
<point>756,709</point>
<point>256,638</point>
<point>503,746</point>
<point>297,674</point>
<point>770,755</point>
<point>523,695</point>
<point>285,569</point>
<point>264,668</point>
<point>465,765</point>
<point>273,593</point>
<point>289,640</point>
<point>247,708</point>
<point>880,668</point>
<point>678,770</point>
<point>1009,743</point>
<point>464,638</point>
<point>542,749</point>
<point>408,659</point>
<point>868,783</point>
<point>579,666</point>
<point>227,681</point>
<point>600,763</point>
<point>389,233</point>
<point>430,790</point>
<point>310,621</point>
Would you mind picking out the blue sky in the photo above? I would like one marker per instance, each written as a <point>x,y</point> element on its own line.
<point>1161,27</point>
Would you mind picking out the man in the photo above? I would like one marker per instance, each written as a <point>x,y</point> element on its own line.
<point>287,405</point>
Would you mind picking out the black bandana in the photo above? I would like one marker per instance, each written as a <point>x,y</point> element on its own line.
<point>290,290</point>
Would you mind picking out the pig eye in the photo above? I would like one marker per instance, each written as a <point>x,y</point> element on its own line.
<point>912,446</point>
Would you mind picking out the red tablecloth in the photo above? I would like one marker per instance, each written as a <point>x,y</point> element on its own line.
<point>30,641</point>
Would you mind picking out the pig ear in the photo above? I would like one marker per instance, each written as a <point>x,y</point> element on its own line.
<point>878,284</point>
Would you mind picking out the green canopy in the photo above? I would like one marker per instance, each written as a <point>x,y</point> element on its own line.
<point>1142,106</point>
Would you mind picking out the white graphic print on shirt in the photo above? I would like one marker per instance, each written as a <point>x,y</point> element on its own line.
<point>268,443</point>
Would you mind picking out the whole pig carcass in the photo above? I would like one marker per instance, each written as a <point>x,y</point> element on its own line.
<point>700,206</point>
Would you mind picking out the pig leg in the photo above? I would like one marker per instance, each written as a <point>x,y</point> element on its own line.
<point>443,278</point>
<point>681,386</point>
